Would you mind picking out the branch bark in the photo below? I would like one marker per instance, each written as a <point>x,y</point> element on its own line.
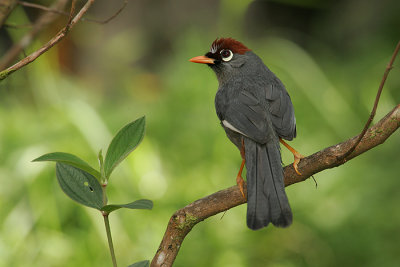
<point>183,220</point>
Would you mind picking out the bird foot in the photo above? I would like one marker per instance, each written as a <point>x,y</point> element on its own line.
<point>240,183</point>
<point>297,158</point>
<point>297,155</point>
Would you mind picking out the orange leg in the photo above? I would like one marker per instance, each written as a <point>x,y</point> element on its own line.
<point>239,178</point>
<point>297,155</point>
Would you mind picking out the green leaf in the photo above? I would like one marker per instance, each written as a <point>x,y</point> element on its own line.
<point>140,264</point>
<point>138,204</point>
<point>79,185</point>
<point>69,159</point>
<point>126,140</point>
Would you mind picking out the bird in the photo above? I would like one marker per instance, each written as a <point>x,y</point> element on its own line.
<point>257,113</point>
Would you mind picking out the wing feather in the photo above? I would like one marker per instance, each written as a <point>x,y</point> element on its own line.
<point>282,111</point>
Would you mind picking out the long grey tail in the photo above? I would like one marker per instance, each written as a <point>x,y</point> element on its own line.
<point>266,197</point>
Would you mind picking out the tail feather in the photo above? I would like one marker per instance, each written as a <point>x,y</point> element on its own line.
<point>266,198</point>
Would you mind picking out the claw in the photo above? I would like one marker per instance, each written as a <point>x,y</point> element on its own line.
<point>240,183</point>
<point>297,156</point>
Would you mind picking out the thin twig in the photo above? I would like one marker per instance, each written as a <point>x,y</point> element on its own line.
<point>124,4</point>
<point>71,15</point>
<point>44,8</point>
<point>373,112</point>
<point>57,38</point>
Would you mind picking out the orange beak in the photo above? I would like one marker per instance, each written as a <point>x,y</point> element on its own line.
<point>202,59</point>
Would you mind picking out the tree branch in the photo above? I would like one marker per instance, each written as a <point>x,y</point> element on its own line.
<point>183,220</point>
<point>57,38</point>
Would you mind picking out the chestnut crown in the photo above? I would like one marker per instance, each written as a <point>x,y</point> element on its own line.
<point>224,48</point>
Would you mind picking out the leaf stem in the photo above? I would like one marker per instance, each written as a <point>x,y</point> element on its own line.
<point>109,238</point>
<point>104,188</point>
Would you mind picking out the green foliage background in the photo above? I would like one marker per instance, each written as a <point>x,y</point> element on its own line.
<point>76,97</point>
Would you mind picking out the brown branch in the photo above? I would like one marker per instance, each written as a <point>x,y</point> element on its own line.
<point>6,6</point>
<point>183,220</point>
<point>378,95</point>
<point>57,38</point>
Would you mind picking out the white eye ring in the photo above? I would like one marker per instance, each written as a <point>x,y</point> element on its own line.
<point>226,58</point>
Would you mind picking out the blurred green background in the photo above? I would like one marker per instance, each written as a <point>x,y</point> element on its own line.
<point>329,54</point>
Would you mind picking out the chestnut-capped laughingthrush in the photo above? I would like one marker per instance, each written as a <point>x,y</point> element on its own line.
<point>256,112</point>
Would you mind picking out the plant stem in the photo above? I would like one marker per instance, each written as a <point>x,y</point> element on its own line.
<point>104,189</point>
<point>107,225</point>
<point>109,238</point>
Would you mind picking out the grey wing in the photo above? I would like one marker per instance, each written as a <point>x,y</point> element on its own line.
<point>282,111</point>
<point>248,116</point>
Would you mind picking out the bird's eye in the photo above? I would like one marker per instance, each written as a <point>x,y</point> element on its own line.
<point>226,54</point>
